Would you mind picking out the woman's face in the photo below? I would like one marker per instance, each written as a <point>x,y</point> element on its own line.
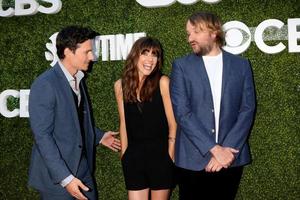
<point>146,63</point>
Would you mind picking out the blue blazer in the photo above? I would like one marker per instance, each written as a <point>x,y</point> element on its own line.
<point>194,111</point>
<point>54,122</point>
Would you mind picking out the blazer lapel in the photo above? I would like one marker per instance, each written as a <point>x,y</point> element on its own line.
<point>225,78</point>
<point>204,77</point>
<point>67,90</point>
<point>226,72</point>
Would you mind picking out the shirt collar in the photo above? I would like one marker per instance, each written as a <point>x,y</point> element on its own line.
<point>79,75</point>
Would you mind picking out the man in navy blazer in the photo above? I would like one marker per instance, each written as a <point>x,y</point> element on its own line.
<point>62,160</point>
<point>213,97</point>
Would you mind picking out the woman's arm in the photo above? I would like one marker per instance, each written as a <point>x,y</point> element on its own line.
<point>122,128</point>
<point>165,93</point>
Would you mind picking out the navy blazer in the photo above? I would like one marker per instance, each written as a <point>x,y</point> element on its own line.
<point>194,111</point>
<point>55,125</point>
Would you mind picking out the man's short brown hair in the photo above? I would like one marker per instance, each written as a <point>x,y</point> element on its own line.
<point>208,21</point>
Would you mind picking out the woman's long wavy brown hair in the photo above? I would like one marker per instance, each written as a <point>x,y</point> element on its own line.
<point>130,77</point>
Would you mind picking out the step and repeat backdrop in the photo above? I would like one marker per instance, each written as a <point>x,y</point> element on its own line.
<point>265,31</point>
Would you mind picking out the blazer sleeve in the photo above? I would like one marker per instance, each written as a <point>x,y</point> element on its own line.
<point>239,133</point>
<point>188,123</point>
<point>99,134</point>
<point>42,113</point>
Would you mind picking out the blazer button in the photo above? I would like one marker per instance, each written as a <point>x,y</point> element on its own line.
<point>80,146</point>
<point>212,110</point>
<point>213,130</point>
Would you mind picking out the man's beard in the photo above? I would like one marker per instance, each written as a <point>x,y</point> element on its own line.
<point>203,50</point>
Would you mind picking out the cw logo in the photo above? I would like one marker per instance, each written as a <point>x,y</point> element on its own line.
<point>165,3</point>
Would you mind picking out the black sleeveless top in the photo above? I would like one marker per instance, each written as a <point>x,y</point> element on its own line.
<point>146,162</point>
<point>146,122</point>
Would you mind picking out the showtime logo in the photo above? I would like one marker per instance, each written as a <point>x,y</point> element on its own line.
<point>109,47</point>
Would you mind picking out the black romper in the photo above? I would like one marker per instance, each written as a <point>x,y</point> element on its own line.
<point>146,162</point>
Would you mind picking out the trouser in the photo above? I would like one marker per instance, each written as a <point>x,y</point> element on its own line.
<point>198,185</point>
<point>86,178</point>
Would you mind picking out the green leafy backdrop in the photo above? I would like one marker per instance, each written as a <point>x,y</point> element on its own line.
<point>274,173</point>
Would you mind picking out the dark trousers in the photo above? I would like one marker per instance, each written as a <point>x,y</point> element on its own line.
<point>86,178</point>
<point>200,185</point>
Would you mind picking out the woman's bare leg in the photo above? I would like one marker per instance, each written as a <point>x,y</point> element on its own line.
<point>160,194</point>
<point>138,194</point>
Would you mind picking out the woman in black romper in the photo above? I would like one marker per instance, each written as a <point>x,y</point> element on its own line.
<point>147,123</point>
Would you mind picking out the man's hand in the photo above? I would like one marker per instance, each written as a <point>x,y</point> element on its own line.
<point>213,165</point>
<point>224,155</point>
<point>74,189</point>
<point>110,141</point>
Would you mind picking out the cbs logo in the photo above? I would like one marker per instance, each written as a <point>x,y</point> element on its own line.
<point>238,36</point>
<point>30,7</point>
<point>164,3</point>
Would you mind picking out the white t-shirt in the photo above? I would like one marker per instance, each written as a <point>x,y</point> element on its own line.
<point>214,69</point>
